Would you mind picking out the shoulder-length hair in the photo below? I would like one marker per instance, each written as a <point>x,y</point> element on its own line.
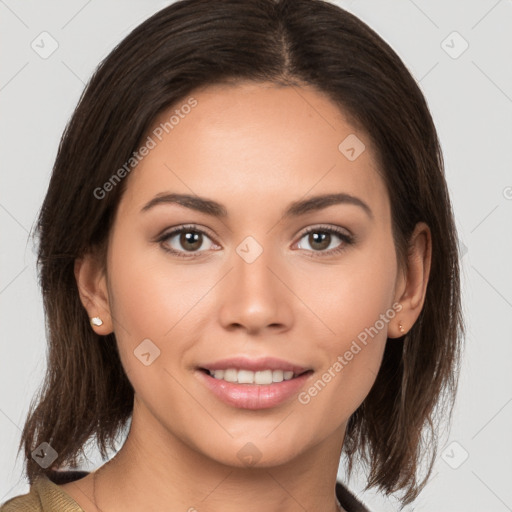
<point>194,43</point>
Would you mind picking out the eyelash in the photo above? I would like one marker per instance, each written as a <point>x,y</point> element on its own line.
<point>347,240</point>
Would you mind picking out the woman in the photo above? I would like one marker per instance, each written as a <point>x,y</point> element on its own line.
<point>247,252</point>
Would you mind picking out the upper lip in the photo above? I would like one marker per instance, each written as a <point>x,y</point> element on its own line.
<point>263,363</point>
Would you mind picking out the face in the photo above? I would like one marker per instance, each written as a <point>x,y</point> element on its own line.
<point>204,299</point>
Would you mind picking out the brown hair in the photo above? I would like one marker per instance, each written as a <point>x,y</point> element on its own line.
<point>194,43</point>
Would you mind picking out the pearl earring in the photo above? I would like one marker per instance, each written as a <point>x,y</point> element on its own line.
<point>401,327</point>
<point>96,320</point>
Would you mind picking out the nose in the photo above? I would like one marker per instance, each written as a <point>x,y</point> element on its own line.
<point>254,296</point>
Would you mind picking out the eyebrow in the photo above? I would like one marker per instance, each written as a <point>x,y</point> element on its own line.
<point>295,209</point>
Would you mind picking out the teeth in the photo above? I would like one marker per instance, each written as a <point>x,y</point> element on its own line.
<point>263,377</point>
<point>250,377</point>
<point>230,375</point>
<point>277,376</point>
<point>245,377</point>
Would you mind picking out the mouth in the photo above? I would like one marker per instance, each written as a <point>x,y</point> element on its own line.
<point>254,384</point>
<point>260,377</point>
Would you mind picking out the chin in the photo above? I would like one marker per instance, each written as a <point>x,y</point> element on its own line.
<point>255,452</point>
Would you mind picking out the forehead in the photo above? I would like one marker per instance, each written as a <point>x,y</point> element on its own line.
<point>256,143</point>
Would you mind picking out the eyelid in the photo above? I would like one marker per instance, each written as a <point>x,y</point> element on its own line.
<point>173,230</point>
<point>326,227</point>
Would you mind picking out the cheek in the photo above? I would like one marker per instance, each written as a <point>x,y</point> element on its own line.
<point>152,293</point>
<point>153,304</point>
<point>157,299</point>
<point>352,298</point>
<point>358,306</point>
<point>352,364</point>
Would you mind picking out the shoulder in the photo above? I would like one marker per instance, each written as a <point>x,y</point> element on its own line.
<point>45,496</point>
<point>29,502</point>
<point>348,501</point>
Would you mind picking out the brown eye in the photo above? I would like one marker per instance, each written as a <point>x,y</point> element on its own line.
<point>185,240</point>
<point>319,240</point>
<point>191,240</point>
<point>322,241</point>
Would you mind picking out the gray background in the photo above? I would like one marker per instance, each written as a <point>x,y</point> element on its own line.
<point>470,96</point>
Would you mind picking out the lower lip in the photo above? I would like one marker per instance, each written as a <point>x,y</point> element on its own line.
<point>254,396</point>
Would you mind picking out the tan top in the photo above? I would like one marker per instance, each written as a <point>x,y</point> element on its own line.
<point>46,496</point>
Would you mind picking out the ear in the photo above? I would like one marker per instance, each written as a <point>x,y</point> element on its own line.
<point>412,286</point>
<point>92,287</point>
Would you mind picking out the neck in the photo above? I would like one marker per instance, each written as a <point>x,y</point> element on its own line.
<point>161,472</point>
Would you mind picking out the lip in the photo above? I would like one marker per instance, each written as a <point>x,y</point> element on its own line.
<point>263,363</point>
<point>254,396</point>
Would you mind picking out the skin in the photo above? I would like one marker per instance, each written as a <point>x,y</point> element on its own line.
<point>255,148</point>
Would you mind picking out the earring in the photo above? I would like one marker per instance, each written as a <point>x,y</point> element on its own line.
<point>96,320</point>
<point>401,327</point>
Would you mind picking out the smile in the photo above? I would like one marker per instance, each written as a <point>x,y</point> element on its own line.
<point>254,390</point>
<point>261,377</point>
